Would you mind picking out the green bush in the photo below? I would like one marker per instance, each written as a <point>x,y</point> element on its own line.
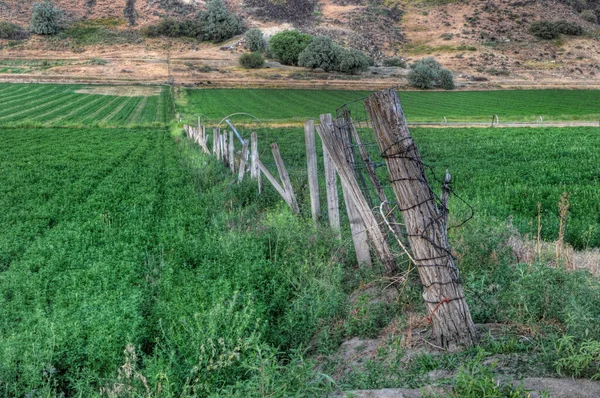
<point>589,15</point>
<point>11,31</point>
<point>322,53</point>
<point>252,60</point>
<point>352,61</point>
<point>255,40</point>
<point>288,45</point>
<point>446,79</point>
<point>45,18</point>
<point>427,73</point>
<point>394,61</point>
<point>552,29</point>
<point>217,24</point>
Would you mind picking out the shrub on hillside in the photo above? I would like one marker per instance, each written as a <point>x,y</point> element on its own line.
<point>11,31</point>
<point>255,40</point>
<point>45,18</point>
<point>217,24</point>
<point>251,60</point>
<point>394,61</point>
<point>289,10</point>
<point>428,73</point>
<point>589,15</point>
<point>552,29</point>
<point>288,45</point>
<point>130,12</point>
<point>353,61</point>
<point>322,53</point>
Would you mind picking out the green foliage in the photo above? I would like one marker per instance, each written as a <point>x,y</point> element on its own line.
<point>217,24</point>
<point>45,18</point>
<point>352,61</point>
<point>427,73</point>
<point>367,316</point>
<point>251,60</point>
<point>288,45</point>
<point>98,61</point>
<point>11,31</point>
<point>322,53</point>
<point>475,380</point>
<point>398,62</point>
<point>255,40</point>
<point>552,29</point>
<point>590,16</point>
<point>578,360</point>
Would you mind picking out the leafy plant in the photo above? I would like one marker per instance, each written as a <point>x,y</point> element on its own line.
<point>288,45</point>
<point>45,18</point>
<point>552,29</point>
<point>11,31</point>
<point>322,53</point>
<point>395,61</point>
<point>217,24</point>
<point>427,73</point>
<point>255,40</point>
<point>251,60</point>
<point>578,360</point>
<point>352,61</point>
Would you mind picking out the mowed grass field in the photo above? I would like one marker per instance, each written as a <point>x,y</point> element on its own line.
<point>419,106</point>
<point>31,105</point>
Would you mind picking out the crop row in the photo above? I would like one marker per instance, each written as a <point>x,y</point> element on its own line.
<point>62,105</point>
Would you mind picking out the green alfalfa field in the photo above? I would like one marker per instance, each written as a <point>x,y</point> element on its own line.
<point>133,265</point>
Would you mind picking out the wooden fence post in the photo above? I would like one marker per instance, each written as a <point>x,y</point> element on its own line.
<point>224,149</point>
<point>311,162</point>
<point>333,207</point>
<point>358,229</point>
<point>231,153</point>
<point>285,177</point>
<point>442,289</point>
<point>243,161</point>
<point>337,146</point>
<point>215,140</point>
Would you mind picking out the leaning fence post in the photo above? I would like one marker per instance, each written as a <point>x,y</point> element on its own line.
<point>311,161</point>
<point>333,207</point>
<point>285,177</point>
<point>357,228</point>
<point>425,223</point>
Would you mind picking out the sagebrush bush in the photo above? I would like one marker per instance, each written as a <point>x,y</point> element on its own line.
<point>395,61</point>
<point>217,23</point>
<point>427,73</point>
<point>549,30</point>
<point>589,15</point>
<point>11,31</point>
<point>288,45</point>
<point>45,18</point>
<point>255,40</point>
<point>129,12</point>
<point>251,60</point>
<point>322,53</point>
<point>353,61</point>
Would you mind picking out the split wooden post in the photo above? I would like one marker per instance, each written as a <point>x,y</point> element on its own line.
<point>215,141</point>
<point>311,162</point>
<point>254,158</point>
<point>425,223</point>
<point>285,177</point>
<point>336,146</point>
<point>224,149</point>
<point>333,207</point>
<point>231,153</point>
<point>243,161</point>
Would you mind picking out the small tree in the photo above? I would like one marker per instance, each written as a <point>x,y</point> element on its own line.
<point>255,40</point>
<point>352,61</point>
<point>288,45</point>
<point>322,53</point>
<point>45,18</point>
<point>217,23</point>
<point>130,12</point>
<point>251,60</point>
<point>427,73</point>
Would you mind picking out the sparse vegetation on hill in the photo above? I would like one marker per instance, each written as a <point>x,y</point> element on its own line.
<point>45,18</point>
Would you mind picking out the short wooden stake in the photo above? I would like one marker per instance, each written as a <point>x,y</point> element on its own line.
<point>311,162</point>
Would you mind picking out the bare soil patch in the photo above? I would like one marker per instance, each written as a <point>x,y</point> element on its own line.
<point>122,91</point>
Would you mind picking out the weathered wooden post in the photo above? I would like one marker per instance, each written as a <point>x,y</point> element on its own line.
<point>313,177</point>
<point>336,146</point>
<point>333,206</point>
<point>231,153</point>
<point>425,223</point>
<point>215,141</point>
<point>285,177</point>
<point>243,161</point>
